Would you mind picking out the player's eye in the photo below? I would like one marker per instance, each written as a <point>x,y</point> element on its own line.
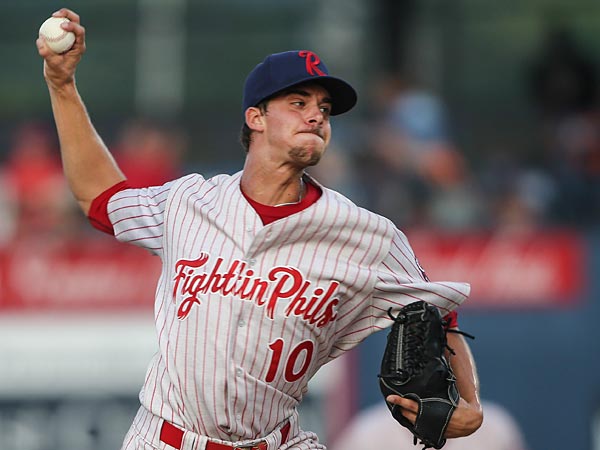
<point>326,109</point>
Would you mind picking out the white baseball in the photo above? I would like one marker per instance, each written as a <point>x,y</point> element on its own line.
<point>56,38</point>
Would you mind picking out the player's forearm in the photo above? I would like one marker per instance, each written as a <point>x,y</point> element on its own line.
<point>463,366</point>
<point>467,382</point>
<point>89,167</point>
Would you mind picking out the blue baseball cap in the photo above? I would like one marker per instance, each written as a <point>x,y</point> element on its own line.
<point>280,71</point>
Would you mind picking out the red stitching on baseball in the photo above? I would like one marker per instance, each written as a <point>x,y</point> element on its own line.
<point>54,39</point>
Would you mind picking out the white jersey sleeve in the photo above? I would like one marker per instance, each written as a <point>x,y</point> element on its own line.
<point>138,215</point>
<point>398,280</point>
<point>402,280</point>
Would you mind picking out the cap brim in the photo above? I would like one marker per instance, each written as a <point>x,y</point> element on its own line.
<point>343,95</point>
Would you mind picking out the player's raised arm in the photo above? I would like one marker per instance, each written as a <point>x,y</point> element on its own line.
<point>88,165</point>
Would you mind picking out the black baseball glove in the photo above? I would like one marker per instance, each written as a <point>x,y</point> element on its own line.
<point>414,366</point>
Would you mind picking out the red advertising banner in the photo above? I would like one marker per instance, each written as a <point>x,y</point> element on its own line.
<point>95,274</point>
<point>540,269</point>
<point>544,269</point>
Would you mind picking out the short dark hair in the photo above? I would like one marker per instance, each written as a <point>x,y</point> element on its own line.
<point>246,132</point>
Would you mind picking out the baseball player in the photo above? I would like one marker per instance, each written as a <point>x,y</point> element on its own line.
<point>266,274</point>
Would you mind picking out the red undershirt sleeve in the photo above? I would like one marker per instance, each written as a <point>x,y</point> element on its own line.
<point>98,213</point>
<point>451,320</point>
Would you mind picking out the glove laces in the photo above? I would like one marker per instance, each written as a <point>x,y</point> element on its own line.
<point>412,339</point>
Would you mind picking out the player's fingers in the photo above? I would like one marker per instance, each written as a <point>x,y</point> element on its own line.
<point>66,12</point>
<point>405,403</point>
<point>76,28</point>
<point>43,50</point>
<point>79,31</point>
<point>41,46</point>
<point>409,415</point>
<point>73,26</point>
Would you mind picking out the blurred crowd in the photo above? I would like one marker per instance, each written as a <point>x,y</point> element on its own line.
<point>410,167</point>
<point>35,201</point>
<point>403,161</point>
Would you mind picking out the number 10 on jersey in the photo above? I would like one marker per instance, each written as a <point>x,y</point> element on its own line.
<point>301,352</point>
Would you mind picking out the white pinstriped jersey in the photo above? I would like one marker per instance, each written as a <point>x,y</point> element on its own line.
<point>246,313</point>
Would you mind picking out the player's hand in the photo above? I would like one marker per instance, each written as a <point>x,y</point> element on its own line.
<point>59,69</point>
<point>465,420</point>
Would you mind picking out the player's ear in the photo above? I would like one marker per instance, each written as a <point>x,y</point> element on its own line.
<point>255,119</point>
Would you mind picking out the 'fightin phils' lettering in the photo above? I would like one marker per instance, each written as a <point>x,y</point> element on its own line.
<point>317,306</point>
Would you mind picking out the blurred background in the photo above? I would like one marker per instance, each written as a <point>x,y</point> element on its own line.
<point>477,132</point>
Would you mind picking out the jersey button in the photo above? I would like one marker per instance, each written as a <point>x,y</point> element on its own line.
<point>239,372</point>
<point>241,323</point>
<point>251,262</point>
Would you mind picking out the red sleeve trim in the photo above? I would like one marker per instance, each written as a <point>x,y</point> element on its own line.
<point>451,320</point>
<point>98,213</point>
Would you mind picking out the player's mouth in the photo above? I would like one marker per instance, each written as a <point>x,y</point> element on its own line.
<point>315,131</point>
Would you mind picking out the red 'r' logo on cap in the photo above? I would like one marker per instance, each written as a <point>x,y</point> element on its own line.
<point>312,61</point>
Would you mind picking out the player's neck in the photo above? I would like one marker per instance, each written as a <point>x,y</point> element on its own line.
<point>273,187</point>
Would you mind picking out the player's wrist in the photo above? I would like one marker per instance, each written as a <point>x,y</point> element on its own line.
<point>65,87</point>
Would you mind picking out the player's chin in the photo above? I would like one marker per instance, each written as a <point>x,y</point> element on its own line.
<point>313,161</point>
<point>308,155</point>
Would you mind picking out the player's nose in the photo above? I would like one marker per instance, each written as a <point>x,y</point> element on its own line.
<point>315,114</point>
